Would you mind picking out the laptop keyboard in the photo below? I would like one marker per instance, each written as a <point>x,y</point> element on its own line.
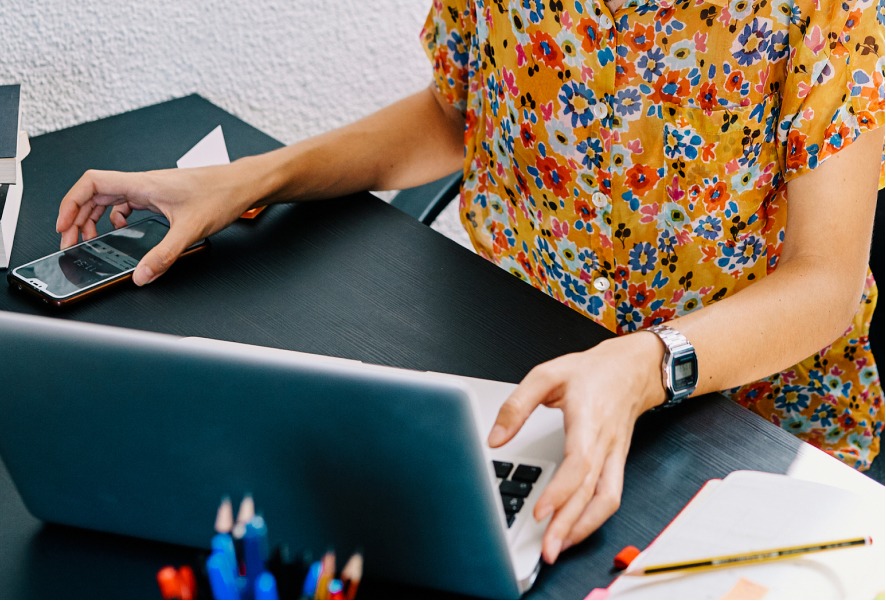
<point>514,485</point>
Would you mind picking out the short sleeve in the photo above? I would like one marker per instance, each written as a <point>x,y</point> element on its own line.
<point>447,37</point>
<point>834,87</point>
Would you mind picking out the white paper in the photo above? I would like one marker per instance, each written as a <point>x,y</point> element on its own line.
<point>752,511</point>
<point>211,150</point>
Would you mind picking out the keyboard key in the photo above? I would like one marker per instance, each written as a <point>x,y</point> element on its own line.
<point>512,504</point>
<point>526,473</point>
<point>502,468</point>
<point>515,489</point>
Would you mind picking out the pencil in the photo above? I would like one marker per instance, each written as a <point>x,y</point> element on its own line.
<point>765,555</point>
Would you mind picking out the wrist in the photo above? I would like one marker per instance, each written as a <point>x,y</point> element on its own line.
<point>651,353</point>
<point>640,355</point>
<point>261,179</point>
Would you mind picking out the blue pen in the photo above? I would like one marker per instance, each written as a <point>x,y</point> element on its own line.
<point>266,586</point>
<point>223,544</point>
<point>220,577</point>
<point>255,550</point>
<point>310,586</point>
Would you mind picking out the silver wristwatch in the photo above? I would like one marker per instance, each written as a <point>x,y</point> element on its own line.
<point>679,367</point>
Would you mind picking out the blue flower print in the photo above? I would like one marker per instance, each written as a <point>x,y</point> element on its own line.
<point>824,414</point>
<point>734,258</point>
<point>535,9</point>
<point>709,227</point>
<point>793,399</point>
<point>577,101</point>
<point>575,289</point>
<point>652,64</point>
<point>752,42</point>
<point>629,318</point>
<point>627,103</point>
<point>642,257</point>
<point>592,152</point>
<point>681,142</point>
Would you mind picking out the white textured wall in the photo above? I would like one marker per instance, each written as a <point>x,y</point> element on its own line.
<point>291,68</point>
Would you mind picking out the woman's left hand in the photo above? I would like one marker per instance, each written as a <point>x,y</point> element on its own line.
<point>602,392</point>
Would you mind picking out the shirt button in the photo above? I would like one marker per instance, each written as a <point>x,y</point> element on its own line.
<point>601,284</point>
<point>600,110</point>
<point>605,22</point>
<point>599,199</point>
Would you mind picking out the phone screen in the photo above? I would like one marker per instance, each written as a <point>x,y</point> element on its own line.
<point>94,262</point>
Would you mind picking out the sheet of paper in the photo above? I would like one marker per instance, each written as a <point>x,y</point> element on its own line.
<point>211,150</point>
<point>753,510</point>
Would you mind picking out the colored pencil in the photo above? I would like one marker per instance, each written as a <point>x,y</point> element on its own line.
<point>749,557</point>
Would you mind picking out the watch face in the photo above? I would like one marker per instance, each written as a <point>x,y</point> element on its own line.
<point>685,372</point>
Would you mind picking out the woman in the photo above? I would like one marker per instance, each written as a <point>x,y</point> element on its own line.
<point>705,165</point>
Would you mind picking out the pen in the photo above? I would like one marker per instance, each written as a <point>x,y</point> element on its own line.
<point>220,578</point>
<point>351,575</point>
<point>224,518</point>
<point>327,573</point>
<point>749,557</point>
<point>309,589</point>
<point>266,586</point>
<point>247,510</point>
<point>255,551</point>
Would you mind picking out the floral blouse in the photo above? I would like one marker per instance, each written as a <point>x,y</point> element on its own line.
<point>634,166</point>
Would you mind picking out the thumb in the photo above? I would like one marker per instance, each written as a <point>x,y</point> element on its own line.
<point>161,257</point>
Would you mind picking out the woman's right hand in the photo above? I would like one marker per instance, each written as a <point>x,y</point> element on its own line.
<point>196,202</point>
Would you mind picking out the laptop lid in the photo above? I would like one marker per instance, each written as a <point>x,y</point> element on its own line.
<point>141,434</point>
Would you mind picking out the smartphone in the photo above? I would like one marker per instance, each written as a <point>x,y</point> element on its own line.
<point>83,269</point>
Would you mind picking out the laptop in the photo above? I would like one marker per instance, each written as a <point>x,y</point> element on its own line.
<point>142,434</point>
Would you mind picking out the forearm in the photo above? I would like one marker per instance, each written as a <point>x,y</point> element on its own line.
<point>413,141</point>
<point>812,296</point>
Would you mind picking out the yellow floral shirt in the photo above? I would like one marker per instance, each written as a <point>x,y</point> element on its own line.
<point>634,165</point>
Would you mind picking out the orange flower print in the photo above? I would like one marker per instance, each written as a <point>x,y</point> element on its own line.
<point>555,177</point>
<point>734,81</point>
<point>527,135</point>
<point>641,178</point>
<point>640,295</point>
<point>707,96</point>
<point>546,50</point>
<point>835,136</point>
<point>716,196</point>
<point>590,36</point>
<point>640,38</point>
<point>671,87</point>
<point>584,210</point>
<point>797,155</point>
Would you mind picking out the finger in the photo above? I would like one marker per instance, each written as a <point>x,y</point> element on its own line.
<point>604,503</point>
<point>86,212</point>
<point>88,230</point>
<point>539,385</point>
<point>161,257</point>
<point>70,237</point>
<point>93,188</point>
<point>119,213</point>
<point>568,494</point>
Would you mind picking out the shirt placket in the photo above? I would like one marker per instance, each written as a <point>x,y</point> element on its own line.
<point>604,85</point>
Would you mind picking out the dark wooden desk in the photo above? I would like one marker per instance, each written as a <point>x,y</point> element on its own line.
<point>353,278</point>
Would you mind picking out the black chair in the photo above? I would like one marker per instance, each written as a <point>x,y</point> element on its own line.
<point>426,202</point>
<point>876,262</point>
